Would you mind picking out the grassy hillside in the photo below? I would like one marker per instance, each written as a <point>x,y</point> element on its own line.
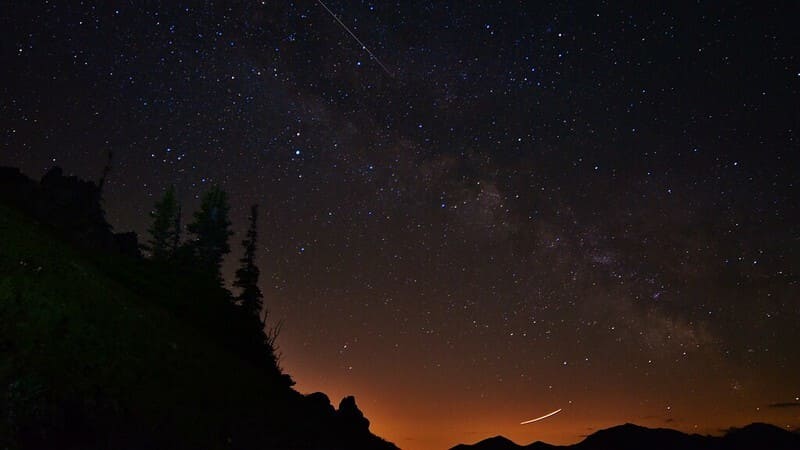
<point>106,351</point>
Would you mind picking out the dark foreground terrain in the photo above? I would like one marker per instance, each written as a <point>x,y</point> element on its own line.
<point>103,349</point>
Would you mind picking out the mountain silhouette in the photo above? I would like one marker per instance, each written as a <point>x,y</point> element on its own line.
<point>760,435</point>
<point>630,436</point>
<point>502,443</point>
<point>634,437</point>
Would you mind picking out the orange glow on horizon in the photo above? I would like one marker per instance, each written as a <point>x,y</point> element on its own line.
<point>423,422</point>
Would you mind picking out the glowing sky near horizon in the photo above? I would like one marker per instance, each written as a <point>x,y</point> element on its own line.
<point>590,206</point>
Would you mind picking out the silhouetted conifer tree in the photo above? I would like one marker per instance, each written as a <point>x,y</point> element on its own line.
<point>163,232</point>
<point>247,275</point>
<point>211,230</point>
<point>106,170</point>
<point>176,238</point>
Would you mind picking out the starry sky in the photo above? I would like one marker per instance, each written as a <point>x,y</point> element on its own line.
<point>522,206</point>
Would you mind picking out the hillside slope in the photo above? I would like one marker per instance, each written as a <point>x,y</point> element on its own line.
<point>103,350</point>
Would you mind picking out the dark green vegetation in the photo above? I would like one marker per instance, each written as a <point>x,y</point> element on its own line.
<point>101,349</point>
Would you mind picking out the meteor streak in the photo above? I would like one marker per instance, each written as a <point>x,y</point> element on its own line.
<point>372,55</point>
<point>540,418</point>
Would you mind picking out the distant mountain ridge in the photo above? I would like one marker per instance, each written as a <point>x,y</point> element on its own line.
<point>755,436</point>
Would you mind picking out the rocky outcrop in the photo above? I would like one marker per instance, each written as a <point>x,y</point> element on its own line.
<point>351,417</point>
<point>342,428</point>
<point>71,206</point>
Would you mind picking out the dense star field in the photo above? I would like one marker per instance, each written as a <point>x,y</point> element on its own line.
<point>532,206</point>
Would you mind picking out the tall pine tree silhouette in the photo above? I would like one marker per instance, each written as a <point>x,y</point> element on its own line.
<point>176,238</point>
<point>247,275</point>
<point>163,231</point>
<point>211,230</point>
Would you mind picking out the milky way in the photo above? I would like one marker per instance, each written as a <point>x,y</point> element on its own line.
<point>592,206</point>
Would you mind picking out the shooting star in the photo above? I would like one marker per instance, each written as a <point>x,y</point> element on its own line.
<point>372,55</point>
<point>541,418</point>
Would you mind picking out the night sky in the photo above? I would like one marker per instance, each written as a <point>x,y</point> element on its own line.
<point>532,206</point>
